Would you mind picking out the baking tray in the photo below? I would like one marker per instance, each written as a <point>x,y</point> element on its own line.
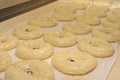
<point>104,64</point>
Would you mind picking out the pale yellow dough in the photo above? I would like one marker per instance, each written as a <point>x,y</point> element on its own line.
<point>77,5</point>
<point>27,32</point>
<point>91,20</point>
<point>5,61</point>
<point>43,22</point>
<point>65,8</point>
<point>29,70</point>
<point>96,47</point>
<point>105,1</point>
<point>8,42</point>
<point>108,24</point>
<point>116,11</point>
<point>96,10</point>
<point>34,49</point>
<point>64,16</point>
<point>77,28</point>
<point>109,34</point>
<point>73,78</point>
<point>60,38</point>
<point>74,62</point>
<point>113,17</point>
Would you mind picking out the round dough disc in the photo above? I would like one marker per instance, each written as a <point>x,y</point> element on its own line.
<point>28,32</point>
<point>43,22</point>
<point>60,38</point>
<point>5,61</point>
<point>96,47</point>
<point>29,70</point>
<point>8,42</point>
<point>74,62</point>
<point>34,49</point>
<point>77,28</point>
<point>109,34</point>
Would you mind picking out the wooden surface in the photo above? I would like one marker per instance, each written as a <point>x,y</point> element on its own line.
<point>115,71</point>
<point>8,3</point>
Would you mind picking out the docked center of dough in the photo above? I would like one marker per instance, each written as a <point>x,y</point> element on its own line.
<point>93,44</point>
<point>71,60</point>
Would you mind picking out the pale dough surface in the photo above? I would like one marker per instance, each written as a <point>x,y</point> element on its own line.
<point>27,32</point>
<point>60,38</point>
<point>8,42</point>
<point>5,61</point>
<point>34,49</point>
<point>97,11</point>
<point>113,17</point>
<point>43,22</point>
<point>65,8</point>
<point>91,20</point>
<point>77,28</point>
<point>64,16</point>
<point>74,62</point>
<point>96,47</point>
<point>109,34</point>
<point>29,70</point>
<point>108,24</point>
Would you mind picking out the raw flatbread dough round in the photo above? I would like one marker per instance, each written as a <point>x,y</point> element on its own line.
<point>74,62</point>
<point>77,5</point>
<point>43,22</point>
<point>28,32</point>
<point>60,38</point>
<point>96,47</point>
<point>113,17</point>
<point>77,28</point>
<point>109,34</point>
<point>96,10</point>
<point>91,20</point>
<point>34,49</point>
<point>116,11</point>
<point>65,8</point>
<point>108,24</point>
<point>64,16</point>
<point>29,70</point>
<point>8,42</point>
<point>5,61</point>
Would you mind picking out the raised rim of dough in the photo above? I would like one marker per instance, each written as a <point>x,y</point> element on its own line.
<point>64,16</point>
<point>108,24</point>
<point>34,49</point>
<point>94,9</point>
<point>65,8</point>
<point>8,42</point>
<point>113,17</point>
<point>77,5</point>
<point>60,38</point>
<point>74,62</point>
<point>77,28</point>
<point>109,34</point>
<point>96,47</point>
<point>5,61</point>
<point>29,70</point>
<point>43,22</point>
<point>91,20</point>
<point>27,32</point>
<point>116,11</point>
